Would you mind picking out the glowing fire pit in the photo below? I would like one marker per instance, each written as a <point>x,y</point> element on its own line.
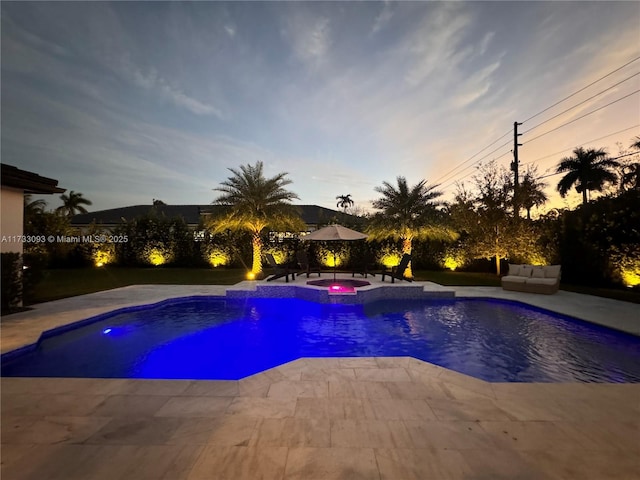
<point>340,286</point>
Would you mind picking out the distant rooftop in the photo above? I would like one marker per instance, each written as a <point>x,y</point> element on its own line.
<point>311,214</point>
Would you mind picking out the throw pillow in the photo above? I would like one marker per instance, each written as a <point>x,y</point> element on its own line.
<point>538,273</point>
<point>525,271</point>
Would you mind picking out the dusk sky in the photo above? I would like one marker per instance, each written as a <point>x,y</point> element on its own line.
<point>127,102</point>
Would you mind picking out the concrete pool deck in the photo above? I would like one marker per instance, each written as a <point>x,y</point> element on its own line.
<point>324,418</point>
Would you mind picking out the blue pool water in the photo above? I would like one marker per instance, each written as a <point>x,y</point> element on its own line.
<point>215,338</point>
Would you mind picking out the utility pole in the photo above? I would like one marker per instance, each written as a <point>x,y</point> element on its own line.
<point>514,167</point>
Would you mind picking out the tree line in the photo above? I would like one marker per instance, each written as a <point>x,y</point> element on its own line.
<point>482,222</point>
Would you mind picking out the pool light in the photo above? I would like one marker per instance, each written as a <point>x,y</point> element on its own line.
<point>338,289</point>
<point>107,331</point>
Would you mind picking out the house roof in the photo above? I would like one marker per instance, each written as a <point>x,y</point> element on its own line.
<point>311,214</point>
<point>28,181</point>
<point>114,216</point>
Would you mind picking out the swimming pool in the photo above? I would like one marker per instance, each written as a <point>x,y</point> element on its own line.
<point>227,339</point>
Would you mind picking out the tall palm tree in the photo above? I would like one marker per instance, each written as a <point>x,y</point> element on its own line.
<point>344,202</point>
<point>531,191</point>
<point>256,203</point>
<point>72,204</point>
<point>408,213</point>
<point>587,170</point>
<point>636,144</point>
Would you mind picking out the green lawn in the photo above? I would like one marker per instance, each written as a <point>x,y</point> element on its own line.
<point>68,283</point>
<point>61,283</point>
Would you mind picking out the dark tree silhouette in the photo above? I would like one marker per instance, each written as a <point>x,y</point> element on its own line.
<point>587,171</point>
<point>72,204</point>
<point>531,191</point>
<point>344,202</point>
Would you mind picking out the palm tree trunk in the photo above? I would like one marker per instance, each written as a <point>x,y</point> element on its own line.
<point>584,196</point>
<point>406,248</point>
<point>528,214</point>
<point>497,254</point>
<point>256,243</point>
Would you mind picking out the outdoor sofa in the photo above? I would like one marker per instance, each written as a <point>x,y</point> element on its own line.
<point>532,279</point>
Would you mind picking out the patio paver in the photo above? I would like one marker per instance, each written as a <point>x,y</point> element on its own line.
<point>423,427</point>
<point>325,418</point>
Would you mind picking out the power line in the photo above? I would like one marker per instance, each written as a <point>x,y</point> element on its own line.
<point>583,143</point>
<point>614,158</point>
<point>582,89</point>
<point>544,176</point>
<point>535,138</point>
<point>582,116</point>
<point>462,178</point>
<point>442,177</point>
<point>481,158</point>
<point>447,175</point>
<point>584,101</point>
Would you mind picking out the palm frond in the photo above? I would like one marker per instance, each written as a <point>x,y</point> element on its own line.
<point>256,202</point>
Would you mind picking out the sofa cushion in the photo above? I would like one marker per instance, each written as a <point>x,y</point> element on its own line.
<point>541,281</point>
<point>538,272</point>
<point>514,269</point>
<point>525,271</point>
<point>552,271</point>
<point>514,279</point>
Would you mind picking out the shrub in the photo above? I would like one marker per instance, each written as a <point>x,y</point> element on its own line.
<point>32,275</point>
<point>11,281</point>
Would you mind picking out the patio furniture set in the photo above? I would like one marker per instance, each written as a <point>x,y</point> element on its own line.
<point>304,266</point>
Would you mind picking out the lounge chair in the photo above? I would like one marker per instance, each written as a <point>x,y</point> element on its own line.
<point>398,270</point>
<point>362,264</point>
<point>278,270</point>
<point>305,266</point>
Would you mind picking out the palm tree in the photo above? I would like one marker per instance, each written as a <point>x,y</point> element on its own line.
<point>256,203</point>
<point>587,170</point>
<point>531,191</point>
<point>33,207</point>
<point>344,202</point>
<point>408,214</point>
<point>72,203</point>
<point>636,144</point>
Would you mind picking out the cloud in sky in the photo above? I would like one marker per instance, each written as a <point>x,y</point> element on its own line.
<point>126,102</point>
<point>153,82</point>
